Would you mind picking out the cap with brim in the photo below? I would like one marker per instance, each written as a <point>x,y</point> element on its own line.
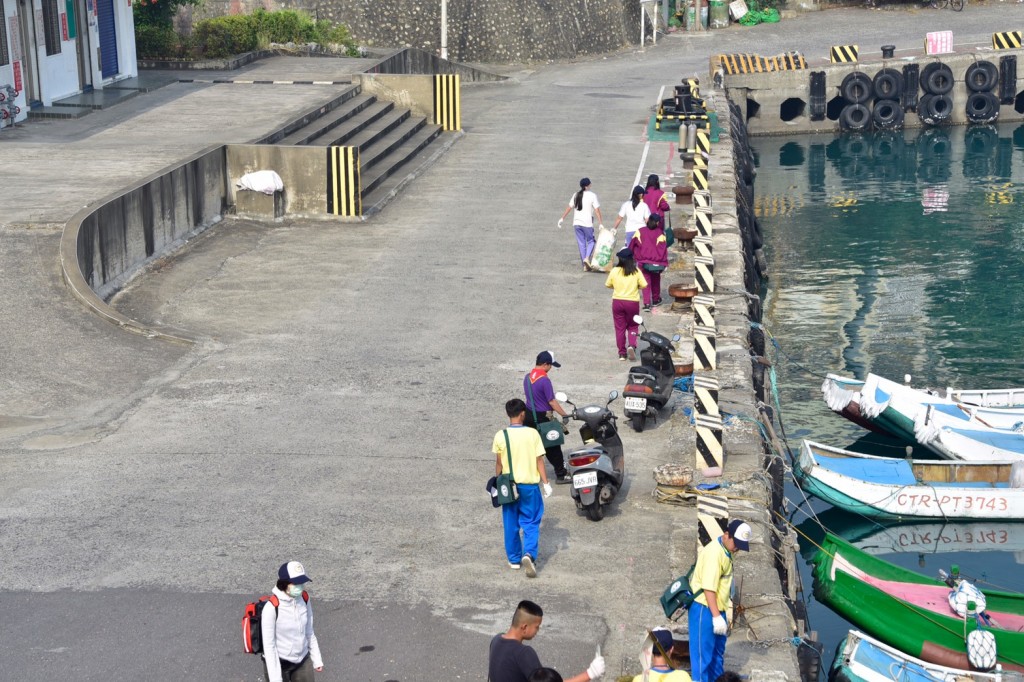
<point>625,253</point>
<point>585,182</point>
<point>547,358</point>
<point>740,533</point>
<point>293,572</point>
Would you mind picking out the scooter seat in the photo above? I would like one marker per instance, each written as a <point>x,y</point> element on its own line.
<point>641,370</point>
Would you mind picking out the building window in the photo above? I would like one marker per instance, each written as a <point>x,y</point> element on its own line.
<point>5,57</point>
<point>51,25</point>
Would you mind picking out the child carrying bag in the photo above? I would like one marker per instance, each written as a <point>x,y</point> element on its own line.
<point>506,483</point>
<point>551,433</point>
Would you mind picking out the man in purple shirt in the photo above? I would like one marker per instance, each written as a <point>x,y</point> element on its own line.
<point>540,399</point>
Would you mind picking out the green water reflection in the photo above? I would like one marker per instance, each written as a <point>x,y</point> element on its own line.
<point>895,253</point>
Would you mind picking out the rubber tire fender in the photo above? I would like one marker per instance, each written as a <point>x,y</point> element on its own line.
<point>887,114</point>
<point>982,107</point>
<point>939,80</point>
<point>935,109</point>
<point>855,117</point>
<point>888,84</point>
<point>981,76</point>
<point>856,88</point>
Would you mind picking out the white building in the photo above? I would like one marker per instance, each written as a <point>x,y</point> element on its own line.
<point>51,49</point>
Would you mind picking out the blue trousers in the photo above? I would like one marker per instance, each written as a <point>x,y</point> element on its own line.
<point>524,514</point>
<point>584,240</point>
<point>707,650</point>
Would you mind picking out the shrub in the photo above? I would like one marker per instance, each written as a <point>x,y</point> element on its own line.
<point>284,26</point>
<point>156,42</point>
<point>225,36</point>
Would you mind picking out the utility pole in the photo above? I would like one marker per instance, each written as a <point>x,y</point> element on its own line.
<point>444,29</point>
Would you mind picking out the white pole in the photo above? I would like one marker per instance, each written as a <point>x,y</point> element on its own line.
<point>641,23</point>
<point>444,29</point>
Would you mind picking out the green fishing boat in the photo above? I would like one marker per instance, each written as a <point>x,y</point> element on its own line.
<point>915,614</point>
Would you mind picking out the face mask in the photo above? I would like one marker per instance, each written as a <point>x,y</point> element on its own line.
<point>295,591</point>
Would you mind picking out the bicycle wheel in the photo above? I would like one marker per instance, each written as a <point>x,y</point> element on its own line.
<point>957,5</point>
<point>939,4</point>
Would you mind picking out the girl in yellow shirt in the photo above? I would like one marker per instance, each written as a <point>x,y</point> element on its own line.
<point>625,281</point>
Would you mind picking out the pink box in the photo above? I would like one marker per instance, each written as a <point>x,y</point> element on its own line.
<point>939,42</point>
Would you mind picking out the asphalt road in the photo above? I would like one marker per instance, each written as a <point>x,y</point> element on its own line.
<point>341,406</point>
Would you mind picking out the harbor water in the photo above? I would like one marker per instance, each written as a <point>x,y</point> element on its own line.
<point>898,253</point>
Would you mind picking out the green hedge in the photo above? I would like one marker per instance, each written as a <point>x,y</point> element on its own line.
<point>155,42</point>
<point>225,36</point>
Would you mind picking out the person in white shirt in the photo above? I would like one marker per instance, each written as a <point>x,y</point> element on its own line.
<point>635,211</point>
<point>584,205</point>
<point>290,650</point>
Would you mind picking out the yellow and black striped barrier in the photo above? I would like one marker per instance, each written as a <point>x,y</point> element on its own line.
<point>703,246</point>
<point>344,185</point>
<point>700,119</point>
<point>700,178</point>
<point>448,102</point>
<point>1006,40</point>
<point>702,199</point>
<point>704,269</point>
<point>700,160</point>
<point>704,311</point>
<point>733,64</point>
<point>704,141</point>
<point>705,394</point>
<point>710,453</point>
<point>705,351</point>
<point>843,54</point>
<point>703,217</point>
<point>712,518</point>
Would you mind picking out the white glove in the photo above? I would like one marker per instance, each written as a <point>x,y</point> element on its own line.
<point>596,668</point>
<point>600,226</point>
<point>560,222</point>
<point>547,490</point>
<point>719,625</point>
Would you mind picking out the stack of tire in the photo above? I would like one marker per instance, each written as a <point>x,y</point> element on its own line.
<point>859,89</point>
<point>982,104</point>
<point>936,106</point>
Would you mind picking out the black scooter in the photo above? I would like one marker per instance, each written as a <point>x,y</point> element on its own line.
<point>650,384</point>
<point>597,468</point>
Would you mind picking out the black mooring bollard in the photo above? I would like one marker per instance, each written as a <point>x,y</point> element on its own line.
<point>888,51</point>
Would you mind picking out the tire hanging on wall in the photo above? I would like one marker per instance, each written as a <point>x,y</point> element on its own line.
<point>935,109</point>
<point>888,84</point>
<point>855,117</point>
<point>981,76</point>
<point>887,114</point>
<point>982,107</point>
<point>856,88</point>
<point>937,80</point>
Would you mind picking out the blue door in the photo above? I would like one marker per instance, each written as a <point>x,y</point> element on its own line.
<point>108,38</point>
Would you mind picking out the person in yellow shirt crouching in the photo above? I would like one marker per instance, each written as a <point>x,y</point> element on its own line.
<point>625,280</point>
<point>657,661</point>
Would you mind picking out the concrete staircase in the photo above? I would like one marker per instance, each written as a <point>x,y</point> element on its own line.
<point>390,139</point>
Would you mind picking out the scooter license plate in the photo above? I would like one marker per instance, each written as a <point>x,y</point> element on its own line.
<point>586,479</point>
<point>635,404</point>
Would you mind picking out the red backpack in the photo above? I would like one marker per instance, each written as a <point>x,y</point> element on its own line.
<point>252,630</point>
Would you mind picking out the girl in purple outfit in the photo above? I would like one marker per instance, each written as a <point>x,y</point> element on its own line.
<point>584,205</point>
<point>654,197</point>
<point>650,248</point>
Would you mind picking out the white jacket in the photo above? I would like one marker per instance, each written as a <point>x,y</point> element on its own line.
<point>288,634</point>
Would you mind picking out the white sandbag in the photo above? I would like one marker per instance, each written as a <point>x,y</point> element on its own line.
<point>266,181</point>
<point>604,251</point>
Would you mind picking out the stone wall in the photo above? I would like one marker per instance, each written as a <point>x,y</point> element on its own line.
<point>478,30</point>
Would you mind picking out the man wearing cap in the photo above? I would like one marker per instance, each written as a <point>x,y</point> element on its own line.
<point>290,650</point>
<point>540,399</point>
<point>658,661</point>
<point>711,582</point>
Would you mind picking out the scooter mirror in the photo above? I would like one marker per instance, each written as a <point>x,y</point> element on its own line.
<point>638,319</point>
<point>676,338</point>
<point>613,395</point>
<point>561,397</point>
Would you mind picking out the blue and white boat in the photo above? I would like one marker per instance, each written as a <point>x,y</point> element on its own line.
<point>905,489</point>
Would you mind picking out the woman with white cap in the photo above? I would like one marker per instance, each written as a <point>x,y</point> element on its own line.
<point>290,650</point>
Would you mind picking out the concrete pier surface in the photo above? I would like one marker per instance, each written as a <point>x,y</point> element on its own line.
<point>340,405</point>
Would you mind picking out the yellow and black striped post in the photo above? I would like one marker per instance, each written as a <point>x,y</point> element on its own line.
<point>704,270</point>
<point>700,159</point>
<point>344,184</point>
<point>710,454</point>
<point>842,54</point>
<point>704,142</point>
<point>702,199</point>
<point>694,84</point>
<point>704,310</point>
<point>703,246</point>
<point>1006,40</point>
<point>700,178</point>
<point>705,394</point>
<point>705,353</point>
<point>703,216</point>
<point>712,518</point>
<point>448,102</point>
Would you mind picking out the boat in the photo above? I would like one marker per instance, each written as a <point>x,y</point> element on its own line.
<point>911,612</point>
<point>953,432</point>
<point>908,489</point>
<point>922,537</point>
<point>862,658</point>
<point>842,395</point>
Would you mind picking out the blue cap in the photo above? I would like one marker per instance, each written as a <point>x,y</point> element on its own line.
<point>585,182</point>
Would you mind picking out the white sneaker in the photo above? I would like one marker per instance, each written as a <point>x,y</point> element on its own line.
<point>531,570</point>
<point>514,567</point>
